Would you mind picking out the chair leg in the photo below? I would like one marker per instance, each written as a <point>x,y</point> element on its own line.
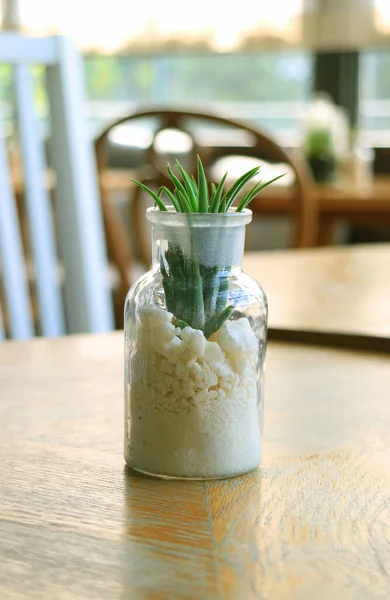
<point>307,231</point>
<point>137,224</point>
<point>118,245</point>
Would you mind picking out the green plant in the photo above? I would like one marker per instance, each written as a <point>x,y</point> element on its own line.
<point>197,295</point>
<point>321,154</point>
<point>319,143</point>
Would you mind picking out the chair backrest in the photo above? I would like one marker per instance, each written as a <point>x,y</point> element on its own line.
<point>83,303</point>
<point>152,171</point>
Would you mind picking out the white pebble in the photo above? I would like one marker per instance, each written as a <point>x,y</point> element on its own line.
<point>235,339</point>
<point>172,350</point>
<point>213,353</point>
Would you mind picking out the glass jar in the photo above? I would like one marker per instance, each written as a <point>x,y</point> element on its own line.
<point>195,344</point>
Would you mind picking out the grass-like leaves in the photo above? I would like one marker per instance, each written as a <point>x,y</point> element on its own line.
<point>198,295</point>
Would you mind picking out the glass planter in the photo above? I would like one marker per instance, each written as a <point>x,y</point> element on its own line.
<point>195,344</point>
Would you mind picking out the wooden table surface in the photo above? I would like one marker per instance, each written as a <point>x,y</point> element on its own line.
<point>337,293</point>
<point>313,523</point>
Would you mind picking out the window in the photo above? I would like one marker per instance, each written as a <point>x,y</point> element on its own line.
<point>375,97</point>
<point>269,90</point>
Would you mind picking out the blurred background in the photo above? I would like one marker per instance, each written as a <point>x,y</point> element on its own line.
<point>257,64</point>
<point>313,75</point>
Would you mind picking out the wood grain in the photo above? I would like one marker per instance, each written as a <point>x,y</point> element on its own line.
<point>312,523</point>
<point>294,531</point>
<point>342,291</point>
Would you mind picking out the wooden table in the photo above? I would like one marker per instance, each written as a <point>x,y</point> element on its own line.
<point>332,199</point>
<point>338,295</point>
<point>368,206</point>
<point>312,524</point>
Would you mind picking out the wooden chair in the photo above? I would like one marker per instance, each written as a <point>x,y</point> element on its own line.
<point>81,303</point>
<point>152,172</point>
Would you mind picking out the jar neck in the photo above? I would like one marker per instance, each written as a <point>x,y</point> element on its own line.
<point>210,247</point>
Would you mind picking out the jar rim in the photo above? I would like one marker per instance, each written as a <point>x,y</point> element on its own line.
<point>172,218</point>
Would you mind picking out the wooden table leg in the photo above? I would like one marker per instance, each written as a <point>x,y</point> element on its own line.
<point>326,233</point>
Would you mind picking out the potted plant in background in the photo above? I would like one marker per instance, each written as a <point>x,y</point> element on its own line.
<point>325,137</point>
<point>321,155</point>
<point>195,336</point>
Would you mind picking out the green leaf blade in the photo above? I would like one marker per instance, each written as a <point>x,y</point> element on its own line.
<point>171,197</point>
<point>214,324</point>
<point>213,192</point>
<point>155,197</point>
<point>189,187</point>
<point>203,206</point>
<point>238,185</point>
<point>184,201</point>
<point>255,191</point>
<point>178,185</point>
<point>214,204</point>
<point>194,185</point>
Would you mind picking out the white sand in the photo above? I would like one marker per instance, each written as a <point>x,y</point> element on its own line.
<point>193,403</point>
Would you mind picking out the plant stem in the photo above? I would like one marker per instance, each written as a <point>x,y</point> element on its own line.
<point>217,321</point>
<point>196,295</point>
